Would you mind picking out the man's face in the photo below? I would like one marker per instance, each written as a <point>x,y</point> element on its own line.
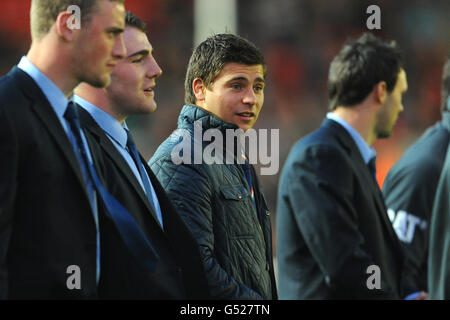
<point>236,95</point>
<point>388,114</point>
<point>99,45</point>
<point>134,78</point>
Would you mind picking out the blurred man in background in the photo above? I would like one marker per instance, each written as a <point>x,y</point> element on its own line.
<point>335,240</point>
<point>439,248</point>
<point>179,274</point>
<point>49,240</point>
<point>222,204</point>
<point>410,188</point>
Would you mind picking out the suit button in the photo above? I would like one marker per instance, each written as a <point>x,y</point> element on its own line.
<point>239,196</point>
<point>267,213</point>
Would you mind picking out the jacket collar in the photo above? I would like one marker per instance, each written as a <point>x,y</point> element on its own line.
<point>446,119</point>
<point>108,123</point>
<point>190,113</point>
<point>342,136</point>
<point>54,95</point>
<point>367,152</point>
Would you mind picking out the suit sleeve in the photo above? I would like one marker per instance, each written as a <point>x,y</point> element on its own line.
<point>189,190</point>
<point>320,190</point>
<point>8,185</point>
<point>439,257</point>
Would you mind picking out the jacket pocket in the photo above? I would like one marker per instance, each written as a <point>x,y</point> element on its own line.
<point>237,193</point>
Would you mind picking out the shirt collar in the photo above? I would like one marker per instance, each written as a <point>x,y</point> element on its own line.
<point>366,151</point>
<point>54,95</point>
<point>108,123</point>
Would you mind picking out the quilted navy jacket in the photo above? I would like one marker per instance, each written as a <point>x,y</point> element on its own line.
<point>232,230</point>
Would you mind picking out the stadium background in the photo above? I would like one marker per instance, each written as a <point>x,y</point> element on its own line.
<point>298,38</point>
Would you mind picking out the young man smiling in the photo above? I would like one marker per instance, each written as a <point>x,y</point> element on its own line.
<point>179,273</point>
<point>220,97</point>
<point>223,204</point>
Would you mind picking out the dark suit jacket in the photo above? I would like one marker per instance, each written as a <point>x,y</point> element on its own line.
<point>332,223</point>
<point>409,190</point>
<point>179,273</point>
<point>46,223</point>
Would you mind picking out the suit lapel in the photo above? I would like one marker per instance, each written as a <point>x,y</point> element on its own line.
<point>89,124</point>
<point>46,114</point>
<point>347,142</point>
<point>160,192</point>
<point>183,242</point>
<point>379,202</point>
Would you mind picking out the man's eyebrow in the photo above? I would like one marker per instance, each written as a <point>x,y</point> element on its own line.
<point>115,30</point>
<point>259,79</point>
<point>144,53</point>
<point>238,79</point>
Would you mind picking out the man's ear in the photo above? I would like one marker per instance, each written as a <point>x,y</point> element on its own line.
<point>199,89</point>
<point>63,26</point>
<point>380,92</point>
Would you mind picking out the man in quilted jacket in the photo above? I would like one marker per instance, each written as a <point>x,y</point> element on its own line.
<point>210,181</point>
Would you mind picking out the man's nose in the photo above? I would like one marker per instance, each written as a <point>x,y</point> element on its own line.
<point>154,70</point>
<point>249,97</point>
<point>119,50</point>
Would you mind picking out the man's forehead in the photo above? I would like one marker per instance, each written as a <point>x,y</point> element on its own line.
<point>403,80</point>
<point>136,40</point>
<point>237,70</point>
<point>114,10</point>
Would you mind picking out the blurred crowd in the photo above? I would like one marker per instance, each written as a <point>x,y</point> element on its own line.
<point>298,38</point>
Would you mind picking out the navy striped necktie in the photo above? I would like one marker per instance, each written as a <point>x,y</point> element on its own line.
<point>372,168</point>
<point>137,160</point>
<point>129,230</point>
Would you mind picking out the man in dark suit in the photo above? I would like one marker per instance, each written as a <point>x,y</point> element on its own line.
<point>335,240</point>
<point>179,273</point>
<point>48,230</point>
<point>410,189</point>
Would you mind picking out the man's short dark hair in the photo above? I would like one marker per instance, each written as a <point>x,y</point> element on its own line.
<point>43,13</point>
<point>132,21</point>
<point>210,57</point>
<point>359,66</point>
<point>445,91</point>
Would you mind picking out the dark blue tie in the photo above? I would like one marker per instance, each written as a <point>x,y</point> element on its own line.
<point>137,160</point>
<point>129,230</point>
<point>372,168</point>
